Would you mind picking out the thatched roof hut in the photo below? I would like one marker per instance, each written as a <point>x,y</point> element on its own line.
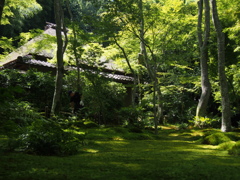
<point>27,57</point>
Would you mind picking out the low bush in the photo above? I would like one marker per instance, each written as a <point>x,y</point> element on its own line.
<point>16,115</point>
<point>120,130</point>
<point>45,137</point>
<point>9,144</point>
<point>182,126</point>
<point>203,122</point>
<point>130,116</point>
<point>134,129</point>
<point>90,124</point>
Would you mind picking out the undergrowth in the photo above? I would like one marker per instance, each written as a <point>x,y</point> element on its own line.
<point>117,153</point>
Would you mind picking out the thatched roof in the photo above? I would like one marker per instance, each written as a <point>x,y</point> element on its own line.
<point>26,48</point>
<point>25,58</point>
<point>27,62</point>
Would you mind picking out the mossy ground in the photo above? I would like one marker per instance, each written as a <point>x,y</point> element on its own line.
<point>114,153</point>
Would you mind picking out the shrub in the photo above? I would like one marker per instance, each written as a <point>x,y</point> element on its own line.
<point>134,129</point>
<point>34,85</point>
<point>182,126</point>
<point>102,99</point>
<point>46,137</point>
<point>235,150</point>
<point>132,115</point>
<point>90,124</point>
<point>15,116</point>
<point>202,122</point>
<point>120,130</point>
<point>216,138</point>
<point>10,144</point>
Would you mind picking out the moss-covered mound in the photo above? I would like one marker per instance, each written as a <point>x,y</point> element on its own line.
<point>235,150</point>
<point>216,139</point>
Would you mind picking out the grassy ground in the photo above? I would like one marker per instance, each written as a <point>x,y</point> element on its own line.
<point>116,154</point>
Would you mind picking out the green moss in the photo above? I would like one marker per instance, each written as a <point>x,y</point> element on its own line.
<point>227,145</point>
<point>116,153</point>
<point>216,139</point>
<point>235,150</point>
<point>138,136</point>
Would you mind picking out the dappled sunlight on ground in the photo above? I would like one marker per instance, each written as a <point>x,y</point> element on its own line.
<point>89,150</point>
<point>174,154</point>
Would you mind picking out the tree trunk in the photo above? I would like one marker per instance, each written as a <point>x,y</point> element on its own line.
<point>143,51</point>
<point>156,103</point>
<point>226,112</point>
<point>2,3</point>
<point>75,47</point>
<point>152,70</point>
<point>132,71</point>
<point>203,46</point>
<point>56,105</point>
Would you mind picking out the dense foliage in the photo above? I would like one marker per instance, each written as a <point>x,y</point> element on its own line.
<point>153,40</point>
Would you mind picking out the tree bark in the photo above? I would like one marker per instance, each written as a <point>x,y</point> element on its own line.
<point>2,3</point>
<point>226,112</point>
<point>203,46</point>
<point>56,105</point>
<point>152,70</point>
<point>131,69</point>
<point>143,51</point>
<point>75,47</point>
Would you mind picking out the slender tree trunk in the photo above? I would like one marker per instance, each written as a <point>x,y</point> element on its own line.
<point>75,47</point>
<point>132,71</point>
<point>2,3</point>
<point>152,71</point>
<point>156,103</point>
<point>143,52</point>
<point>203,46</point>
<point>226,112</point>
<point>56,105</point>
